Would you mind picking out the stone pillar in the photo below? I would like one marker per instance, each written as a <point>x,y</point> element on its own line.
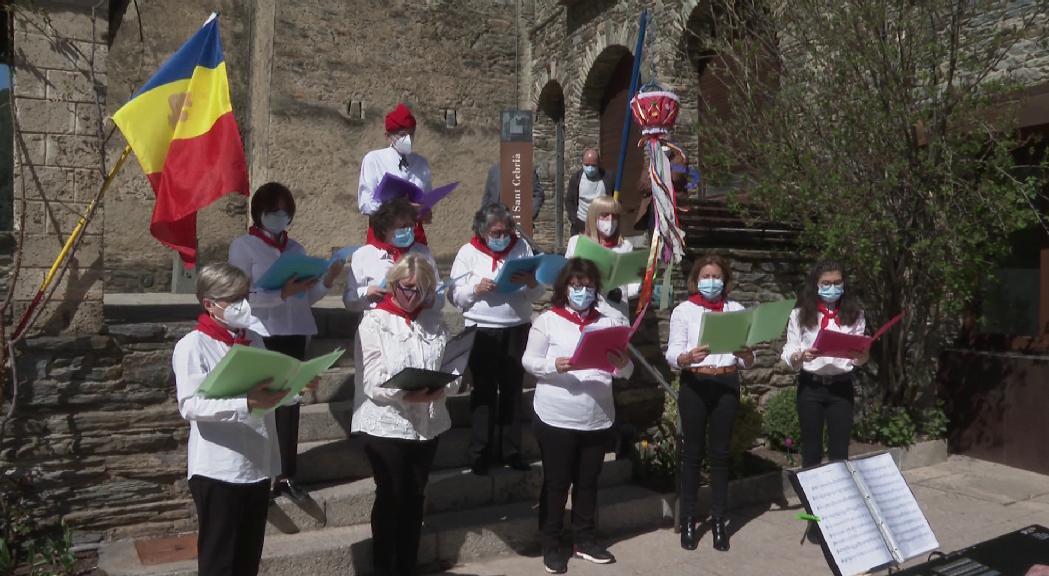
<point>58,92</point>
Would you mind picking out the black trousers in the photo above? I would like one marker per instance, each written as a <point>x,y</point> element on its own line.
<point>231,521</point>
<point>708,406</point>
<point>401,469</point>
<point>824,402</point>
<point>571,459</point>
<point>495,401</point>
<point>287,417</point>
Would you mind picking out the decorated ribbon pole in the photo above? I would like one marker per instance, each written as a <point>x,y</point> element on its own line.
<point>635,79</point>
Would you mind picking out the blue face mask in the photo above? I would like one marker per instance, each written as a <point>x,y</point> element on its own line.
<point>831,293</point>
<point>711,288</point>
<point>580,298</point>
<point>498,244</point>
<point>403,237</point>
<point>591,171</point>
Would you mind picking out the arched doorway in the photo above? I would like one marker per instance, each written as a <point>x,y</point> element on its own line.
<point>548,137</point>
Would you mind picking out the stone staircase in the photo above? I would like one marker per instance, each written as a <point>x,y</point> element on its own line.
<point>468,517</point>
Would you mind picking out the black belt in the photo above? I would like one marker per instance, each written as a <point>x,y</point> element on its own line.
<point>826,380</point>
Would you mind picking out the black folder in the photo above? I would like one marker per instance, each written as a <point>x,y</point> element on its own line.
<point>419,378</point>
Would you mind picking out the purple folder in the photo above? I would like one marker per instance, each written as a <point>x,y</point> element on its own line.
<point>391,187</point>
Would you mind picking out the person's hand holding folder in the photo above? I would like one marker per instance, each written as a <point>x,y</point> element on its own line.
<point>693,356</point>
<point>525,278</point>
<point>618,359</point>
<point>485,286</point>
<point>295,286</point>
<point>262,398</point>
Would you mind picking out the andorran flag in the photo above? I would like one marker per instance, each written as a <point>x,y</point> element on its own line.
<point>181,127</point>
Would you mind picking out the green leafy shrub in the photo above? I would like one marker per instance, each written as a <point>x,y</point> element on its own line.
<point>781,419</point>
<point>896,427</point>
<point>746,431</point>
<point>932,421</point>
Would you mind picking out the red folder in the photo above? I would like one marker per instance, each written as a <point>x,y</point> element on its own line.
<point>833,344</point>
<point>592,351</point>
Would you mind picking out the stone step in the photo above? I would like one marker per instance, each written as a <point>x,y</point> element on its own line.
<point>450,538</point>
<point>343,459</point>
<point>330,420</point>
<point>321,346</point>
<point>350,503</point>
<point>336,384</point>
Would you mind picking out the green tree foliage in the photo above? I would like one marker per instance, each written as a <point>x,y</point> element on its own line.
<point>884,130</point>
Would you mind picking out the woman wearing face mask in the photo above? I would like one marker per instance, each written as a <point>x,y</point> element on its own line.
<point>286,312</point>
<point>602,226</point>
<point>825,385</point>
<point>399,428</point>
<point>708,397</point>
<point>574,411</point>
<point>394,237</point>
<point>502,321</point>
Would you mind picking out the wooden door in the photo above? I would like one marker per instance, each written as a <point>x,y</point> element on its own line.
<point>613,110</point>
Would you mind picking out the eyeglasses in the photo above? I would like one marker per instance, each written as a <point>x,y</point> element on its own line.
<point>408,291</point>
<point>838,284</point>
<point>578,285</point>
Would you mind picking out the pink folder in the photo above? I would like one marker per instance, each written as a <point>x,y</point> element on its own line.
<point>833,344</point>
<point>592,351</point>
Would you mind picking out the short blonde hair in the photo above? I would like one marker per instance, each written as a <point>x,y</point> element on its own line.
<point>599,207</point>
<point>414,265</point>
<point>221,281</point>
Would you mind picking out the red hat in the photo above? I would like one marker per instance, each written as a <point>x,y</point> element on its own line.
<point>400,119</point>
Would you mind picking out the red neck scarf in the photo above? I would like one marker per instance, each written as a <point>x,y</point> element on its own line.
<point>280,242</point>
<point>608,243</point>
<point>390,249</point>
<point>482,246</point>
<point>828,315</point>
<point>388,304</point>
<point>592,315</point>
<point>699,300</point>
<point>208,325</point>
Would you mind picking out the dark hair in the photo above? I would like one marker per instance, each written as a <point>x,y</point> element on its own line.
<point>575,268</point>
<point>489,215</point>
<point>849,307</point>
<point>720,262</point>
<point>267,198</point>
<point>386,217</point>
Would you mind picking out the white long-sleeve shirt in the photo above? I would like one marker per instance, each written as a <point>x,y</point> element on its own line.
<point>801,338</point>
<point>226,442</point>
<point>491,310</point>
<point>378,163</point>
<point>385,345</point>
<point>629,290</point>
<point>368,268</point>
<point>685,324</point>
<point>577,399</point>
<point>280,317</point>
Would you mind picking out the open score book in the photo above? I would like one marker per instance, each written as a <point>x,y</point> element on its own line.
<point>867,514</point>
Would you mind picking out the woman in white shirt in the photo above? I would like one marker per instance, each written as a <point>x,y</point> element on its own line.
<point>602,226</point>
<point>285,313</point>
<point>399,428</point>
<point>502,320</point>
<point>708,396</point>
<point>393,227</point>
<point>574,412</point>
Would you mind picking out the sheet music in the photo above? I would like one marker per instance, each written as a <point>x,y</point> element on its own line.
<point>897,505</point>
<point>849,531</point>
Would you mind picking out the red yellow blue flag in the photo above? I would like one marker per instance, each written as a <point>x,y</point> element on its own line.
<point>181,127</point>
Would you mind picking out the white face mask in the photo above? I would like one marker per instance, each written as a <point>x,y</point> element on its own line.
<point>276,222</point>
<point>403,145</point>
<point>607,225</point>
<point>238,315</point>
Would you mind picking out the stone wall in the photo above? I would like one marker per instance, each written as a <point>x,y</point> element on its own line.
<point>59,89</point>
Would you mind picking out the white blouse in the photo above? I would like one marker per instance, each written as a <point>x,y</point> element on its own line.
<point>368,268</point>
<point>685,324</point>
<point>492,310</point>
<point>801,338</point>
<point>629,290</point>
<point>226,442</point>
<point>385,345</point>
<point>577,399</point>
<point>377,164</point>
<point>280,317</point>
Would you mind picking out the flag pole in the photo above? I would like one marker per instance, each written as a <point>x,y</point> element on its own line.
<point>68,247</point>
<point>635,79</point>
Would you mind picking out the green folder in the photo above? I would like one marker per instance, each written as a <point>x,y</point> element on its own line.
<point>617,269</point>
<point>243,367</point>
<point>728,332</point>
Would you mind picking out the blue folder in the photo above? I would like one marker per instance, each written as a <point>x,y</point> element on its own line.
<point>545,266</point>
<point>299,266</point>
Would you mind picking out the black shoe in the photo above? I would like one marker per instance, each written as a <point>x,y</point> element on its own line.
<point>554,561</point>
<point>720,534</point>
<point>479,467</point>
<point>594,553</point>
<point>812,534</point>
<point>689,533</point>
<point>517,463</point>
<point>292,490</point>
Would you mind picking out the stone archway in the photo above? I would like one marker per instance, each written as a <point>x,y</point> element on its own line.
<point>548,134</point>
